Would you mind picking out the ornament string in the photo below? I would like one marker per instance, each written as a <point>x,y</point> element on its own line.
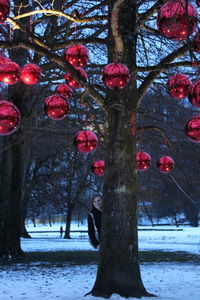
<point>132,124</point>
<point>186,195</point>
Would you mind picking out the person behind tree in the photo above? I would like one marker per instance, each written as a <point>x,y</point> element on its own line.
<point>94,222</point>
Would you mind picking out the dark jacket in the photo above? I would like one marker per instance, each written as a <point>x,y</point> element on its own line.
<point>94,227</point>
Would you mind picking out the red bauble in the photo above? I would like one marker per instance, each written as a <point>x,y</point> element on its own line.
<point>143,160</point>
<point>178,86</point>
<point>176,20</point>
<point>30,74</point>
<point>64,90</point>
<point>98,167</point>
<point>72,82</point>
<point>76,55</point>
<point>194,94</point>
<point>4,59</point>
<point>56,107</point>
<point>196,43</point>
<point>85,141</point>
<point>10,73</point>
<point>9,118</point>
<point>192,129</point>
<point>4,10</point>
<point>116,76</point>
<point>165,164</point>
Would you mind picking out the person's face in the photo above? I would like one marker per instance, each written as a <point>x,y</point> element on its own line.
<point>98,203</point>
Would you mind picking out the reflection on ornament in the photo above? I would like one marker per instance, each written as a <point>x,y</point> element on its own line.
<point>177,20</point>
<point>56,107</point>
<point>165,164</point>
<point>143,160</point>
<point>196,42</point>
<point>98,167</point>
<point>10,73</point>
<point>192,129</point>
<point>115,76</point>
<point>72,82</point>
<point>4,10</point>
<point>64,90</point>
<point>194,94</point>
<point>30,74</point>
<point>76,55</point>
<point>9,118</point>
<point>178,86</point>
<point>85,141</point>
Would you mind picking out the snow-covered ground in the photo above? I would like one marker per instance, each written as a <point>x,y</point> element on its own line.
<point>175,281</point>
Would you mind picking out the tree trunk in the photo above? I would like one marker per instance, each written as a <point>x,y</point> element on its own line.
<point>68,221</point>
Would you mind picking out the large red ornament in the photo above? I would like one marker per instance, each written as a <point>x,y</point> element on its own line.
<point>165,164</point>
<point>4,59</point>
<point>56,107</point>
<point>30,74</point>
<point>194,94</point>
<point>192,129</point>
<point>85,141</point>
<point>4,10</point>
<point>143,160</point>
<point>10,73</point>
<point>9,118</point>
<point>72,82</point>
<point>178,86</point>
<point>176,20</point>
<point>196,43</point>
<point>98,167</point>
<point>116,76</point>
<point>77,55</point>
<point>64,90</point>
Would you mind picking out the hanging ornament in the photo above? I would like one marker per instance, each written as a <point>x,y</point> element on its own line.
<point>177,19</point>
<point>115,76</point>
<point>98,167</point>
<point>178,86</point>
<point>198,2</point>
<point>194,94</point>
<point>85,141</point>
<point>192,129</point>
<point>9,118</point>
<point>196,43</point>
<point>4,59</point>
<point>10,73</point>
<point>72,82</point>
<point>64,90</point>
<point>30,74</point>
<point>165,164</point>
<point>4,10</point>
<point>56,107</point>
<point>76,55</point>
<point>143,160</point>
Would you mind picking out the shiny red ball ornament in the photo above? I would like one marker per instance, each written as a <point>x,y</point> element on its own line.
<point>76,55</point>
<point>178,86</point>
<point>115,76</point>
<point>9,118</point>
<point>196,43</point>
<point>192,129</point>
<point>30,74</point>
<point>176,20</point>
<point>194,94</point>
<point>4,10</point>
<point>72,82</point>
<point>143,160</point>
<point>85,141</point>
<point>165,164</point>
<point>4,59</point>
<point>64,90</point>
<point>10,73</point>
<point>56,107</point>
<point>98,167</point>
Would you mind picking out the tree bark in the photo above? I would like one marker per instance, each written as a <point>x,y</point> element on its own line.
<point>68,221</point>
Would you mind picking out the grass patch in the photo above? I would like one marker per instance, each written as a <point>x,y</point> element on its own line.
<point>61,258</point>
